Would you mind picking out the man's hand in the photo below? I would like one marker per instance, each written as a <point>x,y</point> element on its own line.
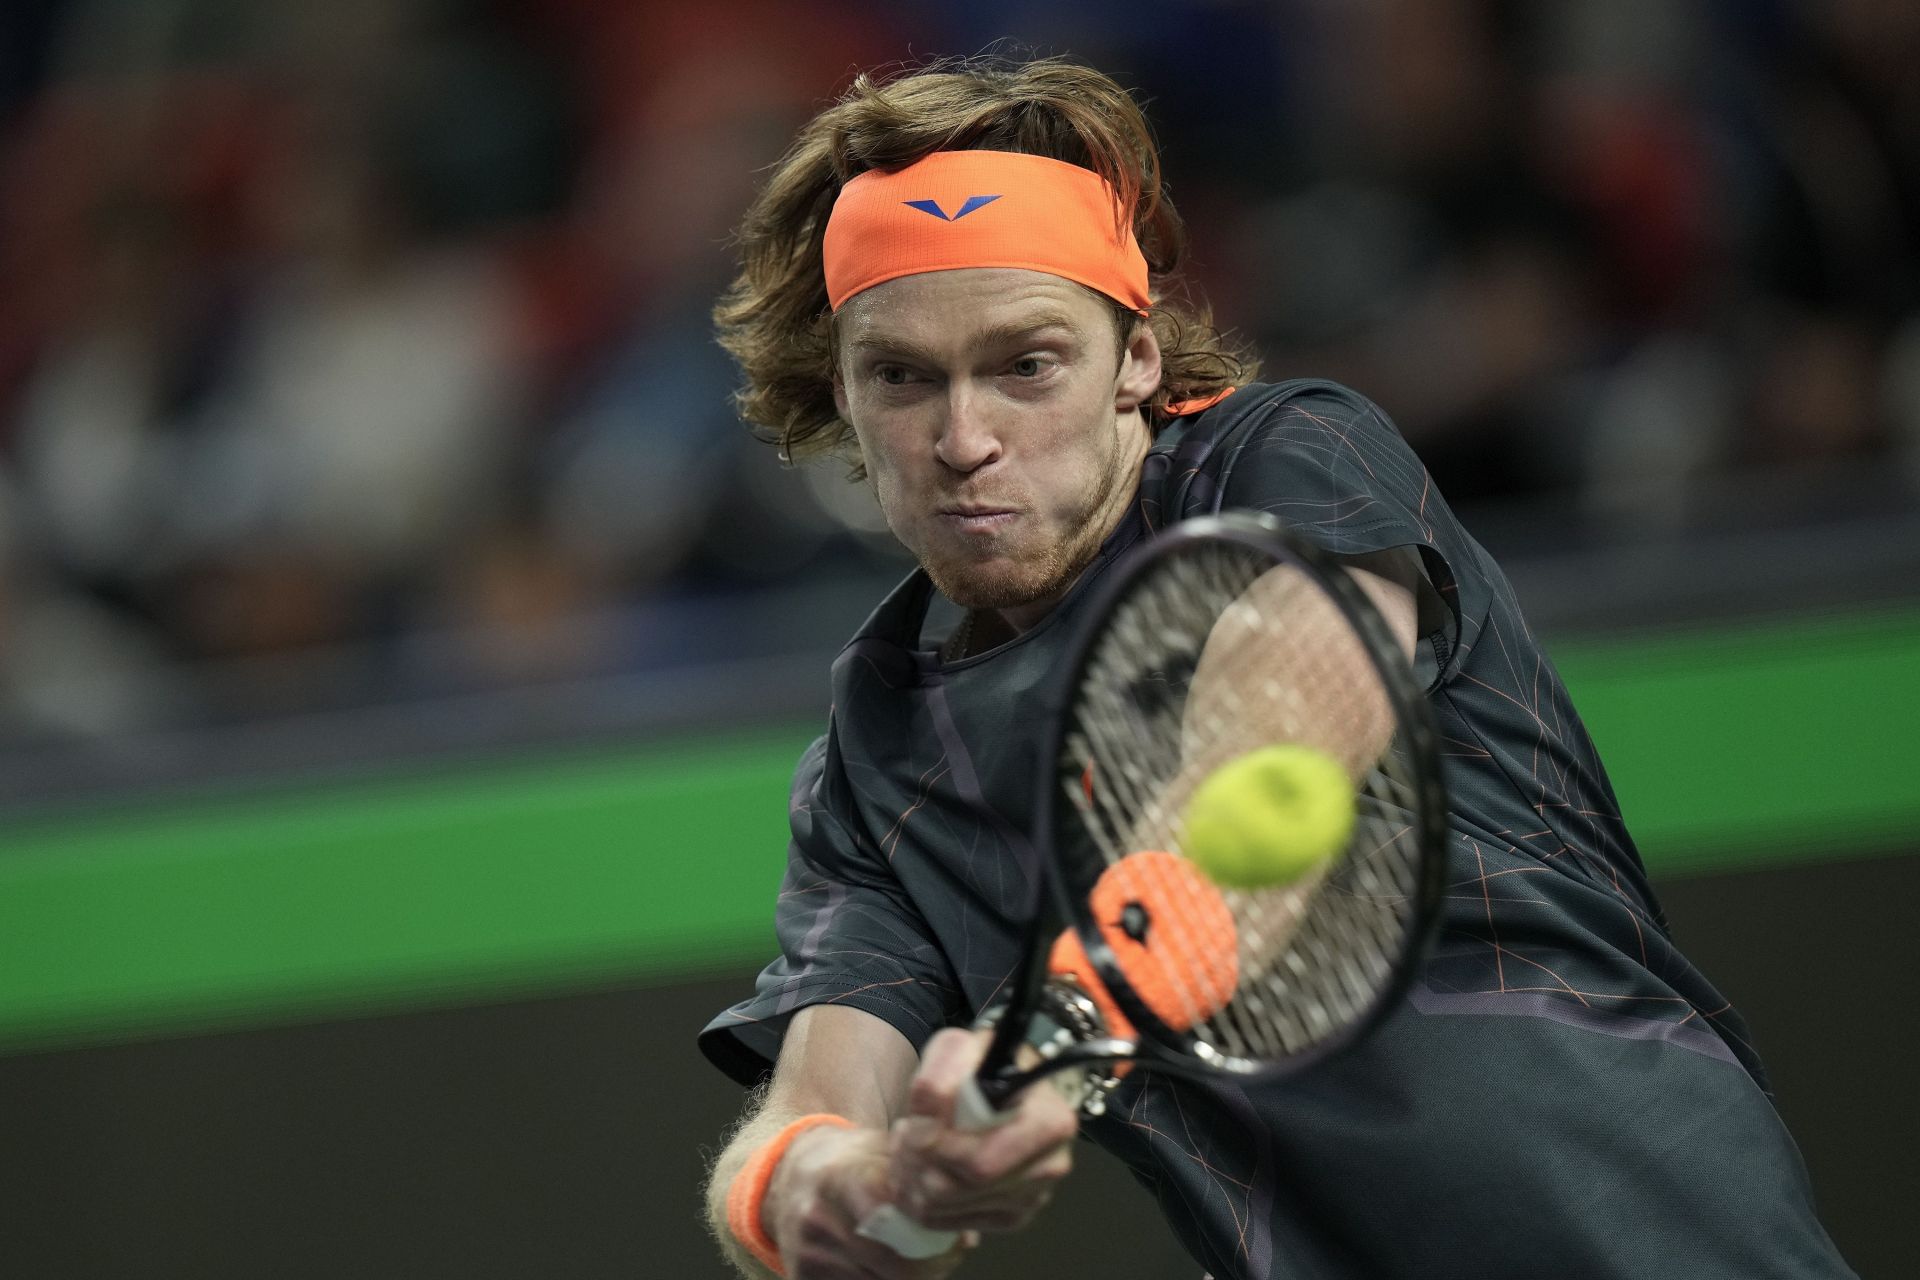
<point>824,1187</point>
<point>976,1180</point>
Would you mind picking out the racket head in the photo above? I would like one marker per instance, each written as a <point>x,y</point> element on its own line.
<point>1127,738</point>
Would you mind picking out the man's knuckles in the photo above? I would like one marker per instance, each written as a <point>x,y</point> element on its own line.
<point>932,1096</point>
<point>1002,1213</point>
<point>1050,1125</point>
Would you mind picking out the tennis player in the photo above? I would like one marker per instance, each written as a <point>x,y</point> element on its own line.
<point>964,280</point>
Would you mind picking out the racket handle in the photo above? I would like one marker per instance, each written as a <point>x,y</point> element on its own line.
<point>902,1234</point>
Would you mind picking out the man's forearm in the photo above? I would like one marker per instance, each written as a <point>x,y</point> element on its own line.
<point>834,1061</point>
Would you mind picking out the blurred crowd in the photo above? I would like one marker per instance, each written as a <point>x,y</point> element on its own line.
<point>327,327</point>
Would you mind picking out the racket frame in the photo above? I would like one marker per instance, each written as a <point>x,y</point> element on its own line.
<point>1161,1046</point>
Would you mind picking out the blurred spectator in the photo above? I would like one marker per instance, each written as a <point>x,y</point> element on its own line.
<point>363,430</point>
<point>324,329</point>
<point>647,475</point>
<point>1421,248</point>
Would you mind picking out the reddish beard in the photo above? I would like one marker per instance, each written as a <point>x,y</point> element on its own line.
<point>1047,572</point>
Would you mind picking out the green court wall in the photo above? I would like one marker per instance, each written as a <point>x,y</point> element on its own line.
<point>1730,747</point>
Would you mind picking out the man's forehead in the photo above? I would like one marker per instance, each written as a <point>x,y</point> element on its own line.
<point>958,308</point>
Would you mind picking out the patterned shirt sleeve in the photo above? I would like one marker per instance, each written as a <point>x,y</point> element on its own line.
<point>1328,463</point>
<point>847,933</point>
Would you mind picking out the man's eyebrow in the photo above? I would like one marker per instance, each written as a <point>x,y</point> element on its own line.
<point>1012,333</point>
<point>870,344</point>
<point>1017,331</point>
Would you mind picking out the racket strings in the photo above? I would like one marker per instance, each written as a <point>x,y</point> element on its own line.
<point>1212,654</point>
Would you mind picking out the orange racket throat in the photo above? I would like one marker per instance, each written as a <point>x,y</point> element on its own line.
<point>1172,937</point>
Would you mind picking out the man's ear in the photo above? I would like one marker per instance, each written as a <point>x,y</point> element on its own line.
<point>1139,374</point>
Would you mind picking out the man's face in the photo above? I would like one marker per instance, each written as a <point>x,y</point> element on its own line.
<point>999,423</point>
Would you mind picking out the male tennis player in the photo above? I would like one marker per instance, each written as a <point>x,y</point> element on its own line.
<point>962,278</point>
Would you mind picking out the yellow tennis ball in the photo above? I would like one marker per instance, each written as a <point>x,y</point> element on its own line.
<point>1269,817</point>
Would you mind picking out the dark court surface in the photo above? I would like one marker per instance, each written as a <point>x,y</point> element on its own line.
<point>565,1137</point>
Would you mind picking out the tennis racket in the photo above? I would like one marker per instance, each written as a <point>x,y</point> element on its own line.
<point>1219,637</point>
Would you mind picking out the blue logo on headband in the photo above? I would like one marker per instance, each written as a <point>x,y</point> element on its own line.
<point>933,207</point>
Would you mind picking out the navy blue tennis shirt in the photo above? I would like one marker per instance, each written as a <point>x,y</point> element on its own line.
<point>1561,1093</point>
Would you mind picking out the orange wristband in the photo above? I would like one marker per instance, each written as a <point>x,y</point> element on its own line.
<point>749,1188</point>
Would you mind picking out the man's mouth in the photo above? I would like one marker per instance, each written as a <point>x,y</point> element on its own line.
<point>977,517</point>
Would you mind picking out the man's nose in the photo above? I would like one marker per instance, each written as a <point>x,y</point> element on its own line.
<point>968,439</point>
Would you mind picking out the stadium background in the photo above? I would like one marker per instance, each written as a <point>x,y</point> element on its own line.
<point>402,650</point>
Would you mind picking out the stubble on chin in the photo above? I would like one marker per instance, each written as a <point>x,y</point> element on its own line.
<point>979,588</point>
<point>1047,573</point>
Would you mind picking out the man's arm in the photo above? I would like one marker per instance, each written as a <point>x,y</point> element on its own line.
<point>843,1061</point>
<point>1319,688</point>
<point>834,1059</point>
<point>1394,581</point>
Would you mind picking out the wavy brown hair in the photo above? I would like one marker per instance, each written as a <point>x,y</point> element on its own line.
<point>775,319</point>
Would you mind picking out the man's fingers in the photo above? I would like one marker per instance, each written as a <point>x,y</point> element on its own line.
<point>949,1060</point>
<point>841,1258</point>
<point>1005,1153</point>
<point>959,1187</point>
<point>994,1179</point>
<point>941,1201</point>
<point>822,1240</point>
<point>996,1218</point>
<point>1043,1122</point>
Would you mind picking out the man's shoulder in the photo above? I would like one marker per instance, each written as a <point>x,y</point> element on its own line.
<point>1302,399</point>
<point>1303,413</point>
<point>1301,433</point>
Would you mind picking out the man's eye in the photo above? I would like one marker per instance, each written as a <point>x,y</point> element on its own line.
<point>1028,367</point>
<point>892,375</point>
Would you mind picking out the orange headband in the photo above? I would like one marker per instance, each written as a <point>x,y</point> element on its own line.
<point>956,209</point>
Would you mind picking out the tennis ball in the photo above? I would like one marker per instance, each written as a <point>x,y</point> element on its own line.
<point>1269,817</point>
